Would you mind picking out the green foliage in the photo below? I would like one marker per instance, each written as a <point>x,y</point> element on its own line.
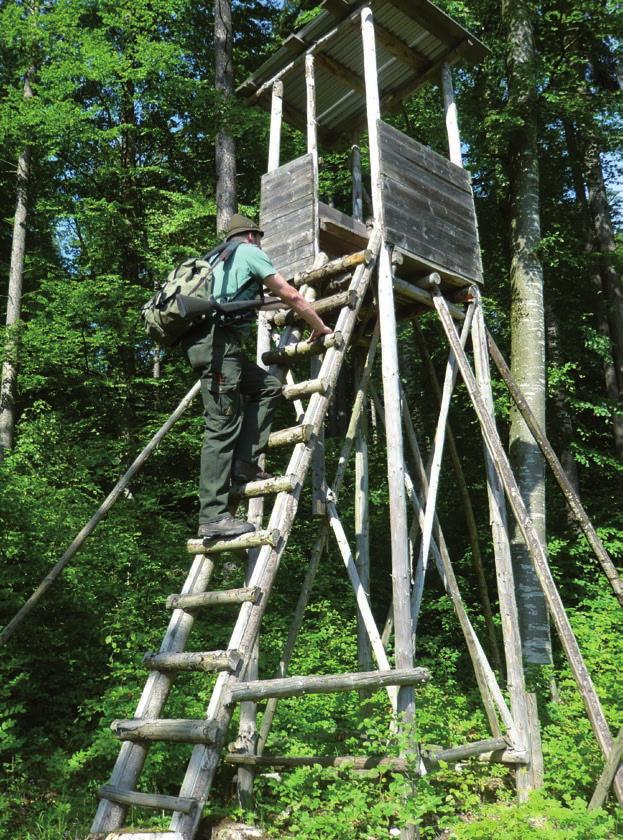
<point>541,818</point>
<point>121,131</point>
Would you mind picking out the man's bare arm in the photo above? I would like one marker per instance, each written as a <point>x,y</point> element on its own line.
<point>279,286</point>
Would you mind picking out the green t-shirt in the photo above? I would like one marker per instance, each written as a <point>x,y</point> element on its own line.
<point>248,262</point>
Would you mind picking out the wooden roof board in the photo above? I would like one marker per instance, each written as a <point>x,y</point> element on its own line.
<point>430,35</point>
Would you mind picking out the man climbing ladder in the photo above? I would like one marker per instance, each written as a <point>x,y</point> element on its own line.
<point>236,436</point>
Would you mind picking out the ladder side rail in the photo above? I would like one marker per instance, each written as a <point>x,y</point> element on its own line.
<point>566,635</point>
<point>247,730</point>
<point>204,759</point>
<point>362,535</point>
<point>131,758</point>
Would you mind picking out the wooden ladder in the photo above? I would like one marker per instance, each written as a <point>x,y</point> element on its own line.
<point>209,735</point>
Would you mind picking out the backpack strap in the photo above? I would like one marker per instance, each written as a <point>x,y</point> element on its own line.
<point>223,251</point>
<point>249,284</point>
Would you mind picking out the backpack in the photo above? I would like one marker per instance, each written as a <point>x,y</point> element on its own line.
<point>185,298</point>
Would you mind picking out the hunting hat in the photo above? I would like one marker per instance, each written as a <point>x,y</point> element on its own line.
<point>241,224</point>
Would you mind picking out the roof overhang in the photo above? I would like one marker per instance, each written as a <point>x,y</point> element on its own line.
<point>413,40</point>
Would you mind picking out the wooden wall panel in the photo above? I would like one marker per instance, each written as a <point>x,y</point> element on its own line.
<point>428,206</point>
<point>287,215</point>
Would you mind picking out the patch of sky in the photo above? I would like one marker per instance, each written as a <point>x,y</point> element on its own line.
<point>67,243</point>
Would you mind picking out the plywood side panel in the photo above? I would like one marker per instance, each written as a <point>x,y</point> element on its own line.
<point>428,206</point>
<point>287,215</point>
<point>424,158</point>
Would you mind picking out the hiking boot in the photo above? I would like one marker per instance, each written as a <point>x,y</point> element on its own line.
<point>245,471</point>
<point>223,528</point>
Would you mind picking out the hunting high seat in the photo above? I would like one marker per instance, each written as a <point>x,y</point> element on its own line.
<point>331,79</point>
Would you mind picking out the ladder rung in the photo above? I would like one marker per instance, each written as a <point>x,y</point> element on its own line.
<point>304,389</point>
<point>251,540</point>
<point>212,660</point>
<point>341,264</point>
<point>384,763</point>
<point>276,484</point>
<point>324,683</point>
<point>209,599</point>
<point>176,730</point>
<point>302,348</point>
<point>348,298</point>
<point>295,434</point>
<point>157,801</point>
<point>143,835</point>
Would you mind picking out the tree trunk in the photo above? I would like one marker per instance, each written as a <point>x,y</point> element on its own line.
<point>610,280</point>
<point>225,143</point>
<point>608,298</point>
<point>14,305</point>
<point>527,320</point>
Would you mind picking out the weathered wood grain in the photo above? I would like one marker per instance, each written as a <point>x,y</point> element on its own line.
<point>276,208</point>
<point>286,437</point>
<point>157,801</point>
<point>423,205</point>
<point>429,227</point>
<point>211,599</point>
<point>287,172</point>
<point>426,184</point>
<point>214,660</point>
<point>440,259</point>
<point>255,538</point>
<point>325,683</point>
<point>394,141</point>
<point>174,730</point>
<point>286,239</point>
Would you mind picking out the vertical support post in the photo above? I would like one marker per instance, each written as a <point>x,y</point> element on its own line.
<point>355,165</point>
<point>310,87</point>
<point>362,535</point>
<point>452,121</point>
<point>430,511</point>
<point>312,136</point>
<point>319,481</point>
<point>470,517</point>
<point>274,142</point>
<point>503,565</point>
<point>373,109</point>
<point>401,573</point>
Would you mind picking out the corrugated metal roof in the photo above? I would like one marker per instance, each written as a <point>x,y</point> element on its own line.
<point>417,27</point>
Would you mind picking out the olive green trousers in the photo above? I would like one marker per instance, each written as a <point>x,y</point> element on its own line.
<point>239,399</point>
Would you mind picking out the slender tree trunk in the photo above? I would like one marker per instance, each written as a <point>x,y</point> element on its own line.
<point>225,143</point>
<point>527,319</point>
<point>610,279</point>
<point>598,236</point>
<point>16,277</point>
